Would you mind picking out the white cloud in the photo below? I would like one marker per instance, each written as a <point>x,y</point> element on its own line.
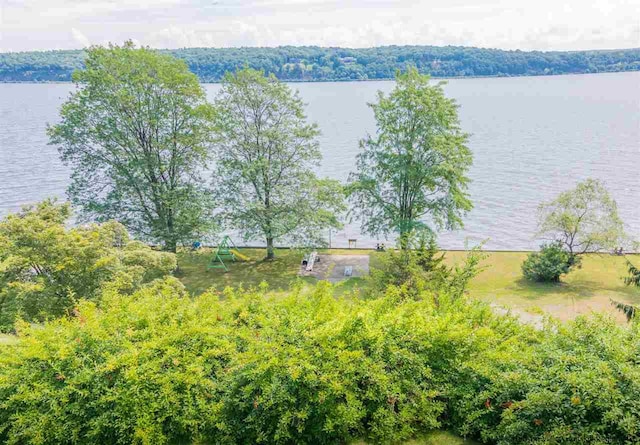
<point>509,24</point>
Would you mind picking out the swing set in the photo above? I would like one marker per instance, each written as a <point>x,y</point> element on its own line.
<point>226,251</point>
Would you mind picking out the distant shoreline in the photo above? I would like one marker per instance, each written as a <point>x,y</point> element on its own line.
<point>385,79</point>
<point>321,64</point>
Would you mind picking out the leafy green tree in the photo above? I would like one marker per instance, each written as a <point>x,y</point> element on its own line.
<point>136,134</point>
<point>317,63</point>
<point>412,174</point>
<point>266,153</point>
<point>583,219</point>
<point>45,267</point>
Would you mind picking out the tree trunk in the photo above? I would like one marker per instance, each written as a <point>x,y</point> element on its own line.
<point>270,251</point>
<point>171,245</point>
<point>404,239</point>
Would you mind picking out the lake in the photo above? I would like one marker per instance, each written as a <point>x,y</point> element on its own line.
<point>532,137</point>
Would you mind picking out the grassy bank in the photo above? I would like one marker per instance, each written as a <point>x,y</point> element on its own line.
<point>589,288</point>
<point>501,282</point>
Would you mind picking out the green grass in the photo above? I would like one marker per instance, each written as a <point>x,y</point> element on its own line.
<point>588,288</point>
<point>434,438</point>
<point>501,282</point>
<point>278,273</point>
<point>440,438</point>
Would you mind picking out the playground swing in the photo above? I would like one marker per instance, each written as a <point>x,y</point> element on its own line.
<point>226,250</point>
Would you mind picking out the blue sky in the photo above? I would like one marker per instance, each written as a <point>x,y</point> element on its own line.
<point>509,24</point>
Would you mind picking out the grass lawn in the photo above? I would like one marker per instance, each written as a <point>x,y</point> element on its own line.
<point>435,438</point>
<point>501,282</point>
<point>583,290</point>
<point>279,273</point>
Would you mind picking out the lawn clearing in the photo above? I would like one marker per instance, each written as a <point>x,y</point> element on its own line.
<point>434,438</point>
<point>583,290</point>
<point>501,282</point>
<point>279,273</point>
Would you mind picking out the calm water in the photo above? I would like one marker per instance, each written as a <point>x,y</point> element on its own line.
<point>532,137</point>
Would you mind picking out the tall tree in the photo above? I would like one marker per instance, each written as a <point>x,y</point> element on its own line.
<point>583,219</point>
<point>136,136</point>
<point>412,174</point>
<point>266,155</point>
<point>45,266</point>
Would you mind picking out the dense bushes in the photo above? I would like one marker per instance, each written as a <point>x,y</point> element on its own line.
<point>157,367</point>
<point>549,264</point>
<point>579,385</point>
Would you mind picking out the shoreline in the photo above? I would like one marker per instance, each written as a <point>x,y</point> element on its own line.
<point>391,248</point>
<point>385,79</point>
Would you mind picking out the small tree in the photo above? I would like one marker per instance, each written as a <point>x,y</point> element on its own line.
<point>416,165</point>
<point>584,219</point>
<point>549,264</point>
<point>136,135</point>
<point>266,152</point>
<point>45,267</point>
<point>420,270</point>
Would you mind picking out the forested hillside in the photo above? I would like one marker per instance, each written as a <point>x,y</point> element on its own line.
<point>323,64</point>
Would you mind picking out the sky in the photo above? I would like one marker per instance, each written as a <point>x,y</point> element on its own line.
<point>507,24</point>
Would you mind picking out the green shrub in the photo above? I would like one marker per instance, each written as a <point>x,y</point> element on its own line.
<point>549,264</point>
<point>157,367</point>
<point>420,270</point>
<point>579,385</point>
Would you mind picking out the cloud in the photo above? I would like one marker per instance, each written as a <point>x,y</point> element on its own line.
<point>508,24</point>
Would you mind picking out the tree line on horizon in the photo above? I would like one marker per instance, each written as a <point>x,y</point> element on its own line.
<point>311,63</point>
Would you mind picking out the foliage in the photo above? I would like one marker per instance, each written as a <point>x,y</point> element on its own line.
<point>634,275</point>
<point>629,310</point>
<point>578,384</point>
<point>243,367</point>
<point>415,167</point>
<point>315,63</point>
<point>420,270</point>
<point>549,264</point>
<point>266,152</point>
<point>584,219</point>
<point>157,368</point>
<point>45,267</point>
<point>136,136</point>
